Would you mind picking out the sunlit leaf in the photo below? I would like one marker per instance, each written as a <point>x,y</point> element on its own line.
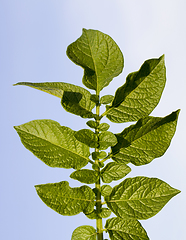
<point>129,229</point>
<point>114,171</point>
<point>100,57</point>
<point>75,99</point>
<point>140,94</point>
<point>87,137</point>
<point>149,138</point>
<point>84,233</point>
<point>85,176</point>
<point>140,197</point>
<point>66,200</point>
<point>54,144</point>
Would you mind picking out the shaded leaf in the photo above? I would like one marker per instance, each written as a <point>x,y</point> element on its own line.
<point>114,171</point>
<point>65,200</point>
<point>87,137</point>
<point>106,139</point>
<point>149,138</point>
<point>85,176</point>
<point>140,94</point>
<point>75,99</point>
<point>105,213</point>
<point>84,233</point>
<point>92,124</point>
<point>140,197</point>
<point>54,144</point>
<point>99,155</point>
<point>106,99</point>
<point>100,57</point>
<point>129,229</point>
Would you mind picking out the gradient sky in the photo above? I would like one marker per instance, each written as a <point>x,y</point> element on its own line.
<point>33,42</point>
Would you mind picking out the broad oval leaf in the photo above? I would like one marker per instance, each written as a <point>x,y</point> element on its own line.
<point>140,197</point>
<point>65,200</point>
<point>125,229</point>
<point>75,99</point>
<point>84,233</point>
<point>106,99</point>
<point>104,127</point>
<point>100,57</point>
<point>106,139</point>
<point>87,137</point>
<point>92,124</point>
<point>85,176</point>
<point>106,190</point>
<point>114,171</point>
<point>54,144</point>
<point>140,94</point>
<point>149,138</point>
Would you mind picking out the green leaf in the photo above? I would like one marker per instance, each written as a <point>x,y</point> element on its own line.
<point>114,171</point>
<point>100,57</point>
<point>105,213</point>
<point>149,138</point>
<point>85,176</point>
<point>99,155</point>
<point>106,190</point>
<point>65,200</point>
<point>75,99</point>
<point>106,99</point>
<point>140,197</point>
<point>87,137</point>
<point>106,139</point>
<point>104,127</point>
<point>140,94</point>
<point>92,215</point>
<point>130,229</point>
<point>54,144</point>
<point>92,124</point>
<point>95,98</point>
<point>84,233</point>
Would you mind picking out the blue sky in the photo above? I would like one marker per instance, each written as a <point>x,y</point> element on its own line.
<point>33,42</point>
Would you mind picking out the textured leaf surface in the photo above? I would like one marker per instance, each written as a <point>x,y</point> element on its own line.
<point>54,144</point>
<point>140,197</point>
<point>104,127</point>
<point>140,94</point>
<point>92,124</point>
<point>106,139</point>
<point>128,229</point>
<point>75,99</point>
<point>105,213</point>
<point>66,200</point>
<point>100,57</point>
<point>85,176</point>
<point>106,190</point>
<point>84,233</point>
<point>149,138</point>
<point>114,171</point>
<point>87,137</point>
<point>106,99</point>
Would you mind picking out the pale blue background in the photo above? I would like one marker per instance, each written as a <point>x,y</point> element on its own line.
<point>33,42</point>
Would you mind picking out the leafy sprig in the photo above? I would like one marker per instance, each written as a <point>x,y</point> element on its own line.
<point>133,199</point>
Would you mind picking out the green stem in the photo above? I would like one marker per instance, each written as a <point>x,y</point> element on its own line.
<point>99,224</point>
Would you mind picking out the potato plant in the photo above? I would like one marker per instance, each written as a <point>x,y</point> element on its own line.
<point>97,155</point>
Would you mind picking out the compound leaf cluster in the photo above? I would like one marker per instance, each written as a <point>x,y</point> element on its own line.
<point>134,199</point>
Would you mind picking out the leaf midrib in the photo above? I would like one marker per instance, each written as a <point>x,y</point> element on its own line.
<point>107,111</point>
<point>53,144</point>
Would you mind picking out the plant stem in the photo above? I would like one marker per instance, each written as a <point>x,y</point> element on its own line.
<point>97,185</point>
